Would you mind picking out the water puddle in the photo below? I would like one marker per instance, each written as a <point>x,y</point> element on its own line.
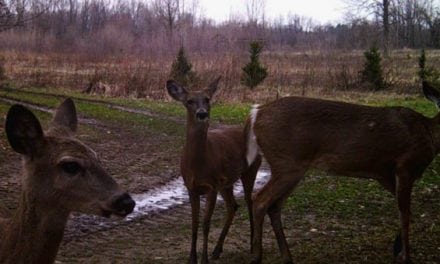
<point>151,202</point>
<point>175,193</point>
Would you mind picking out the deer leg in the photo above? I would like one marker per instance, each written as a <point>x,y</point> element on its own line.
<point>195,208</point>
<point>248,181</point>
<point>209,209</point>
<point>231,207</point>
<point>404,185</point>
<point>279,186</point>
<point>275,218</point>
<point>390,185</point>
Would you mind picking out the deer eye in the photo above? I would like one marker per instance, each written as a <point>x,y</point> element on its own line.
<point>71,167</point>
<point>190,102</point>
<point>207,100</point>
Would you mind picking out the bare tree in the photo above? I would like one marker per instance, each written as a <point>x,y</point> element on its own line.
<point>378,9</point>
<point>17,13</point>
<point>168,12</point>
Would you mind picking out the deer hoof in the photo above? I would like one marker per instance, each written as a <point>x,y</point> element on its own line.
<point>402,259</point>
<point>205,260</point>
<point>192,260</point>
<point>397,246</point>
<point>217,252</point>
<point>256,261</point>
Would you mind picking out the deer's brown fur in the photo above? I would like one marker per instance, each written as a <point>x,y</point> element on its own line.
<point>392,145</point>
<point>60,175</point>
<point>212,160</point>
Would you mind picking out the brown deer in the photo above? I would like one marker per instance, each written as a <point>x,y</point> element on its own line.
<point>210,163</point>
<point>392,145</point>
<point>61,175</point>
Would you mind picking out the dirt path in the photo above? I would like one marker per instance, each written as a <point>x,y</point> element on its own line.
<point>143,161</point>
<point>42,108</point>
<point>87,238</point>
<point>110,105</point>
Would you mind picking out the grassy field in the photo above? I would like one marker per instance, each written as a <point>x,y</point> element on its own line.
<point>313,73</point>
<point>327,219</point>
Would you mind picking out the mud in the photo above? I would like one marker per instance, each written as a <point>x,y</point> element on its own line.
<point>159,231</point>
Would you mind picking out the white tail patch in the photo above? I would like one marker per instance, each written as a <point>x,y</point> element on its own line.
<point>252,148</point>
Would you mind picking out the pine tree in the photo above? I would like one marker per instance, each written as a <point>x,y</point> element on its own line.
<point>181,69</point>
<point>422,65</point>
<point>253,72</point>
<point>372,72</point>
<point>428,74</point>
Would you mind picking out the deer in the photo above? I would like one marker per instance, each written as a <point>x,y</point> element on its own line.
<point>60,175</point>
<point>393,145</point>
<point>212,161</point>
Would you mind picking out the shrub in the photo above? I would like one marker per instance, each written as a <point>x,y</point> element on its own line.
<point>253,72</point>
<point>372,73</point>
<point>181,70</point>
<point>2,69</point>
<point>427,73</point>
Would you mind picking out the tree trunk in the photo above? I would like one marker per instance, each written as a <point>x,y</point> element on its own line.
<point>386,28</point>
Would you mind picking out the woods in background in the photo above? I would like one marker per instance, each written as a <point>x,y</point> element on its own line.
<point>107,27</point>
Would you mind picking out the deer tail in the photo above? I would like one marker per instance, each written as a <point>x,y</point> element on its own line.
<point>252,149</point>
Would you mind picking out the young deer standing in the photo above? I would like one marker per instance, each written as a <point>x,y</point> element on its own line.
<point>61,175</point>
<point>393,145</point>
<point>211,162</point>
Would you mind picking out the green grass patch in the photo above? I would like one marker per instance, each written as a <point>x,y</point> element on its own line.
<point>101,112</point>
<point>418,104</point>
<point>221,112</point>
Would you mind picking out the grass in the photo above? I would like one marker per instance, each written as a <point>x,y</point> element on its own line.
<point>227,113</point>
<point>100,112</point>
<point>327,219</point>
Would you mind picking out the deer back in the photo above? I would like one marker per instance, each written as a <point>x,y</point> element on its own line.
<point>344,138</point>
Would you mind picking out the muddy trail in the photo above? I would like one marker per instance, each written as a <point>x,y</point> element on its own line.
<point>159,231</point>
<point>159,193</point>
<point>111,105</point>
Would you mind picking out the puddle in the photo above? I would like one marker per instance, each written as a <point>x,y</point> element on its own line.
<point>175,193</point>
<point>154,201</point>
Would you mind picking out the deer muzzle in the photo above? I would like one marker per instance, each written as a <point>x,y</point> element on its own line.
<point>122,205</point>
<point>202,115</point>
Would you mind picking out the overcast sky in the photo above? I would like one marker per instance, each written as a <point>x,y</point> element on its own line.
<point>322,11</point>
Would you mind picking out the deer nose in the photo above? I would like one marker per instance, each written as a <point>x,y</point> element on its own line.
<point>202,114</point>
<point>124,204</point>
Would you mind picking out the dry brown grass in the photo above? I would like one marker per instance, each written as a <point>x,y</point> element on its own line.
<point>319,74</point>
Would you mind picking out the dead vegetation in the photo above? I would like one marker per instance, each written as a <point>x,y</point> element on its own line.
<point>290,73</point>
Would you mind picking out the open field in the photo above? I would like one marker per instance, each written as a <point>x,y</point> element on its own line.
<point>327,219</point>
<point>313,73</point>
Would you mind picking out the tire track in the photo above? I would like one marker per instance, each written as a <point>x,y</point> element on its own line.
<point>109,105</point>
<point>49,110</point>
<point>158,203</point>
<point>156,206</point>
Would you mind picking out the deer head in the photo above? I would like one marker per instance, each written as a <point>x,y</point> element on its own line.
<point>62,173</point>
<point>197,103</point>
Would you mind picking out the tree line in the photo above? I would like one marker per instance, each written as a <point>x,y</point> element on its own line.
<point>158,27</point>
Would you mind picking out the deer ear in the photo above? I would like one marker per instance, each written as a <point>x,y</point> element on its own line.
<point>213,87</point>
<point>24,131</point>
<point>431,93</point>
<point>65,115</point>
<point>176,91</point>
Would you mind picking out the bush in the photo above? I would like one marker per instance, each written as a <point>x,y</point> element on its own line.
<point>253,72</point>
<point>181,70</point>
<point>428,74</point>
<point>372,73</point>
<point>2,69</point>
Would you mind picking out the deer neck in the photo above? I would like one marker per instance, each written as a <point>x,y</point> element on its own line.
<point>435,132</point>
<point>33,234</point>
<point>196,140</point>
